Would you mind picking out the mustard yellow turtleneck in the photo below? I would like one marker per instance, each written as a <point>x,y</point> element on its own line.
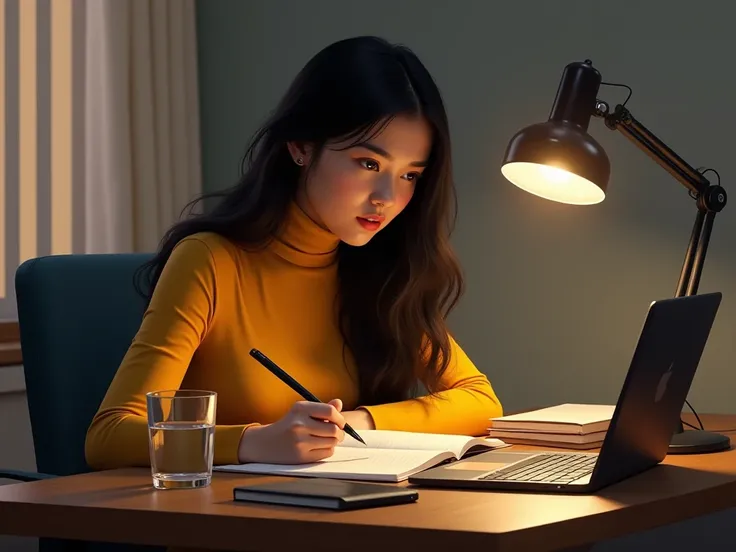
<point>213,303</point>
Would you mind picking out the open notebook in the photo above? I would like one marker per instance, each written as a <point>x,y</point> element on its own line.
<point>390,456</point>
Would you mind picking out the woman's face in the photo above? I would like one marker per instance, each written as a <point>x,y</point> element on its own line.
<point>356,192</point>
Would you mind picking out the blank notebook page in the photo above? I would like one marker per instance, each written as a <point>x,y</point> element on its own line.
<point>437,442</point>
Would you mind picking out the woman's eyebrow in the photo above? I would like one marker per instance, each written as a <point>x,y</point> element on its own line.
<point>383,153</point>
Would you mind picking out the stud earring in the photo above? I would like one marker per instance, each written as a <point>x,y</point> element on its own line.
<point>300,161</point>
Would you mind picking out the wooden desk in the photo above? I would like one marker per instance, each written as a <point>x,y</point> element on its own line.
<point>121,506</point>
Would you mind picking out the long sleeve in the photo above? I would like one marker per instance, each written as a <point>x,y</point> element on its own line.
<point>175,323</point>
<point>463,405</point>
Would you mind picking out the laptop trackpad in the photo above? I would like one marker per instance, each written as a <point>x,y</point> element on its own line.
<point>488,461</point>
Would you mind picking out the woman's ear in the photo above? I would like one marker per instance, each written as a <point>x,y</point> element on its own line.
<point>300,153</point>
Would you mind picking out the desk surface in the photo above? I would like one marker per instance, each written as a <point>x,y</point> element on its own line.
<point>121,505</point>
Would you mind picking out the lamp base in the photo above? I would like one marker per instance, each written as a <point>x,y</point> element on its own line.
<point>697,441</point>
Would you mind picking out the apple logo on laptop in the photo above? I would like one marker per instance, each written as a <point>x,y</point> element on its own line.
<point>662,385</point>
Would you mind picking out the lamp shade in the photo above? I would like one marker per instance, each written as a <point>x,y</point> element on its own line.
<point>558,160</point>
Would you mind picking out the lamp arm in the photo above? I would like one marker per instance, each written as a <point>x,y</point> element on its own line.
<point>710,198</point>
<point>622,120</point>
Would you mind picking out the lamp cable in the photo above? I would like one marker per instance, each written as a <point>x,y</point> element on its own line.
<point>700,423</point>
<point>626,86</point>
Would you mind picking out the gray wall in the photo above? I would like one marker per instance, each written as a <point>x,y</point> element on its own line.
<point>556,294</point>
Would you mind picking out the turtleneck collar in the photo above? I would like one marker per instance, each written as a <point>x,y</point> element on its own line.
<point>303,242</point>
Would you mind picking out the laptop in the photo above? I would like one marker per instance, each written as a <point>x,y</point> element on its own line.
<point>646,416</point>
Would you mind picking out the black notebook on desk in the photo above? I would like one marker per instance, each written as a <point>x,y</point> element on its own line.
<point>325,493</point>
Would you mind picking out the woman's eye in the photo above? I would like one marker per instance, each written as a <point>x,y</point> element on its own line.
<point>412,177</point>
<point>369,164</point>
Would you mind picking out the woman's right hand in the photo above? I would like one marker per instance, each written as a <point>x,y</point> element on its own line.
<point>307,433</point>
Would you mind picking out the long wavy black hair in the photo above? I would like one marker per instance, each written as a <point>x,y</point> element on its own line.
<point>395,292</point>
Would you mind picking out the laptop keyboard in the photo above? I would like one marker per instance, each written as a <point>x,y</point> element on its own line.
<point>546,468</point>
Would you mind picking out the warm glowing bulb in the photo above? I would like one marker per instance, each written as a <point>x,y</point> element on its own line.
<point>553,183</point>
<point>554,175</point>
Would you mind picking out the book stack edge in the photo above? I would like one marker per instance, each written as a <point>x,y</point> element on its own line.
<point>569,425</point>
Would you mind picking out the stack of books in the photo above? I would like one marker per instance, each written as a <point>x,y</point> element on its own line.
<point>575,426</point>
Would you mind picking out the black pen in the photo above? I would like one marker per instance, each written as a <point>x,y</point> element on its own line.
<point>295,385</point>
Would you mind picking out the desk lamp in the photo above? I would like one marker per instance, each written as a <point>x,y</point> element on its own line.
<point>558,160</point>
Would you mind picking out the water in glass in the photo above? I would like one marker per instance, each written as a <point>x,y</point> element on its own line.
<point>181,430</point>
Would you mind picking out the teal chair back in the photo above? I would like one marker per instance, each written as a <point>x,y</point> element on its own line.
<point>77,315</point>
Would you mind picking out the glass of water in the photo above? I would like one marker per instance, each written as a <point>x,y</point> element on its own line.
<point>181,431</point>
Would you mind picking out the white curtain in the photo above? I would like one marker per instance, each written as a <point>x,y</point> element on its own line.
<point>142,148</point>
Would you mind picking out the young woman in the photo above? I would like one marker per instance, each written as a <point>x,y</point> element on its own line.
<point>332,256</point>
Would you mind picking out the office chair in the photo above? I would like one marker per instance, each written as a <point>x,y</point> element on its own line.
<point>77,316</point>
